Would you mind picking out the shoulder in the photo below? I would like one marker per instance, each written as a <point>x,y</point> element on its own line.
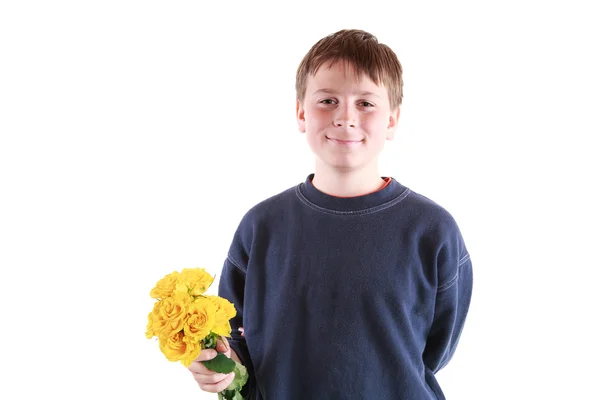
<point>440,235</point>
<point>254,221</point>
<point>270,207</point>
<point>429,211</point>
<point>435,223</point>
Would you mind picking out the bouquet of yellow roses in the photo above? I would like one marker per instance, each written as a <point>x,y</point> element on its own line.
<point>186,320</point>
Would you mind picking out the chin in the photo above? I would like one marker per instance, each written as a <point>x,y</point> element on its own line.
<point>343,165</point>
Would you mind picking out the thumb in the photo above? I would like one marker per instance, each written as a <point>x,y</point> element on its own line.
<point>223,346</point>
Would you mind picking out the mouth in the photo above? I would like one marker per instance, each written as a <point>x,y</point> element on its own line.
<point>344,142</point>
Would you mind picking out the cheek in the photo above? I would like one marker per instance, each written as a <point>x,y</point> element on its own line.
<point>317,117</point>
<point>313,140</point>
<point>316,126</point>
<point>376,125</point>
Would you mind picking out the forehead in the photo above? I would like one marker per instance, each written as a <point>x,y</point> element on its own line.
<point>341,74</point>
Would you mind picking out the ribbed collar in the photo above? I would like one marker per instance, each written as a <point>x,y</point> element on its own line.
<point>372,202</point>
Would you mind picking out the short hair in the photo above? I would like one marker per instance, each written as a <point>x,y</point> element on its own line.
<point>359,49</point>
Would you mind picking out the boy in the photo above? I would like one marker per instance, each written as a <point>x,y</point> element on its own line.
<point>348,285</point>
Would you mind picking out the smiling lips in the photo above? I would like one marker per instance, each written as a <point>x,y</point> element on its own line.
<point>345,142</point>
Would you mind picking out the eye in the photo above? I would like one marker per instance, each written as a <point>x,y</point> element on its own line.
<point>366,104</point>
<point>327,101</point>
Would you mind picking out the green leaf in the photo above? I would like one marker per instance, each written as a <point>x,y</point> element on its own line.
<point>232,392</point>
<point>209,342</point>
<point>230,395</point>
<point>221,363</point>
<point>237,396</point>
<point>241,377</point>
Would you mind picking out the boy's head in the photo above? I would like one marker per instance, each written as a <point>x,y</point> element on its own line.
<point>348,92</point>
<point>360,50</point>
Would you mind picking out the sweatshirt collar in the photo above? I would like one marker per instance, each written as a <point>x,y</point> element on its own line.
<point>372,202</point>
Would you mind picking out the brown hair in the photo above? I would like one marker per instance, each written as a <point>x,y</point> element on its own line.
<point>359,49</point>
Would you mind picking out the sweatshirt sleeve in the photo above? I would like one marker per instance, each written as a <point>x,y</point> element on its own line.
<point>231,287</point>
<point>451,306</point>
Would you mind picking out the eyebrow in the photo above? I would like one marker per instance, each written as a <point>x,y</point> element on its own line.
<point>331,91</point>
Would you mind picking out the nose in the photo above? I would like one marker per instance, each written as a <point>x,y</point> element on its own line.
<point>345,117</point>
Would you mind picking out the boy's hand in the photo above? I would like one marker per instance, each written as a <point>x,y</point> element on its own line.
<point>211,381</point>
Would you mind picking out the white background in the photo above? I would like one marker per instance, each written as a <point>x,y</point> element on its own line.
<point>135,135</point>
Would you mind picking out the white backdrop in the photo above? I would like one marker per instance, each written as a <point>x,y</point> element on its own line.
<point>135,135</point>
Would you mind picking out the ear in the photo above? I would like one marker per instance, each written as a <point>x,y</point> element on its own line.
<point>300,117</point>
<point>393,123</point>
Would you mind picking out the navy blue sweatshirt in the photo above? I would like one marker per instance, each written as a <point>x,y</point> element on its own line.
<point>347,298</point>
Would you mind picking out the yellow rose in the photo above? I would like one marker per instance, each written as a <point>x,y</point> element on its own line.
<point>225,311</point>
<point>165,287</point>
<point>200,320</point>
<point>194,281</point>
<point>193,351</point>
<point>175,348</point>
<point>225,308</point>
<point>223,330</point>
<point>149,328</point>
<point>169,315</point>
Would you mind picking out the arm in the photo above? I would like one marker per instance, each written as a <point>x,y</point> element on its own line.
<point>231,286</point>
<point>451,306</point>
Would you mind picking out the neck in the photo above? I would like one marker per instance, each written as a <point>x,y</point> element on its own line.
<point>347,183</point>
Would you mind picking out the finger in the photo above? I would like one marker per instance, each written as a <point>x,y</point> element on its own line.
<point>210,378</point>
<point>206,354</point>
<point>223,346</point>
<point>197,367</point>
<point>217,387</point>
<point>241,329</point>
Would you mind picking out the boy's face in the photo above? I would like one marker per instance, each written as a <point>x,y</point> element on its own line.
<point>346,120</point>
